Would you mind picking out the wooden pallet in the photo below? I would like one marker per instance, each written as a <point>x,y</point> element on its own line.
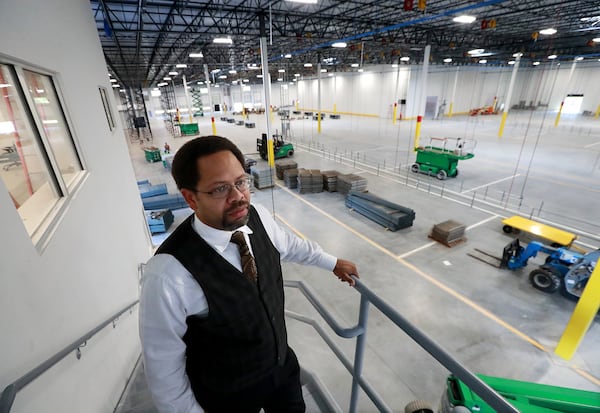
<point>449,244</point>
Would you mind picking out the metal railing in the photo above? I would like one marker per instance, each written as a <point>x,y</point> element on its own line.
<point>10,392</point>
<point>368,297</point>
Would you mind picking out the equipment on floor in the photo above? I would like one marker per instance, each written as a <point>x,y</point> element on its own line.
<point>281,149</point>
<point>527,397</point>
<point>556,237</point>
<point>391,216</point>
<point>448,233</point>
<point>441,156</point>
<point>563,269</point>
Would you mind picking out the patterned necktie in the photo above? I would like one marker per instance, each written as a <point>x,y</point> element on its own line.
<point>248,264</point>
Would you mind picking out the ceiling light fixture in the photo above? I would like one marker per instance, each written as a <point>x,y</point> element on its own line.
<point>404,59</point>
<point>448,60</point>
<point>552,57</point>
<point>548,31</point>
<point>181,65</point>
<point>173,73</point>
<point>354,65</point>
<point>361,70</point>
<point>222,40</point>
<point>464,19</point>
<point>475,51</point>
<point>288,56</point>
<point>233,71</point>
<point>281,71</point>
<point>196,55</point>
<point>307,64</point>
<point>304,1</point>
<point>511,62</point>
<point>483,61</point>
<point>323,70</point>
<point>166,78</point>
<point>596,40</point>
<point>579,58</point>
<point>339,45</point>
<point>536,63</point>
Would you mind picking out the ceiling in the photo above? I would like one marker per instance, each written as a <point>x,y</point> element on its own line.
<point>143,40</point>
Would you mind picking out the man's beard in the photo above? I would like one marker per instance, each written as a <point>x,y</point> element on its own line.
<point>229,225</point>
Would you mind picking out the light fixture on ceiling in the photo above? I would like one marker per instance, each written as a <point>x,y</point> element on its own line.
<point>173,73</point>
<point>328,74</point>
<point>281,71</point>
<point>307,64</point>
<point>246,80</point>
<point>222,40</point>
<point>233,71</point>
<point>579,58</point>
<point>519,54</point>
<point>464,19</point>
<point>116,85</point>
<point>223,77</point>
<point>323,70</point>
<point>339,45</point>
<point>181,65</point>
<point>354,65</point>
<point>166,78</point>
<point>288,56</point>
<point>395,65</point>
<point>536,63</point>
<point>448,60</point>
<point>280,79</point>
<point>511,62</point>
<point>304,1</point>
<point>596,40</point>
<point>483,61</point>
<point>296,74</point>
<point>475,52</point>
<point>404,59</point>
<point>196,55</point>
<point>549,31</point>
<point>113,80</point>
<point>552,57</point>
<point>361,70</point>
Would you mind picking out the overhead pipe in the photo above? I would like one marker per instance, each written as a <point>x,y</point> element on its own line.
<point>394,27</point>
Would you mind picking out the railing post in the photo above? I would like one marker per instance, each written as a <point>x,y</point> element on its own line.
<point>359,352</point>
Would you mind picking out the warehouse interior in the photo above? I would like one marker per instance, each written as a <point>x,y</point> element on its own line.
<point>360,111</point>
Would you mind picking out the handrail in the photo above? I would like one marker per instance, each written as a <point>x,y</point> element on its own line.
<point>10,392</point>
<point>442,356</point>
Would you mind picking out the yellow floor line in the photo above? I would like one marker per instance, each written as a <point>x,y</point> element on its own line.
<point>435,282</point>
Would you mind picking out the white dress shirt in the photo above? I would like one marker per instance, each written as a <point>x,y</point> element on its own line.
<point>170,294</point>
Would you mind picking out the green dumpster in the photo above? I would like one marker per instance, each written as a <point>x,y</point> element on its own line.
<point>152,154</point>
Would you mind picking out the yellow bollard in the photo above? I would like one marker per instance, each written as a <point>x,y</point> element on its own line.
<point>318,122</point>
<point>214,126</point>
<point>394,114</point>
<point>502,123</point>
<point>271,153</point>
<point>335,109</point>
<point>582,317</point>
<point>558,114</point>
<point>418,131</point>
<point>450,110</point>
<point>597,112</point>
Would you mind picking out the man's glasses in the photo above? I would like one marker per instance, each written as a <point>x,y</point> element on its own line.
<point>223,191</point>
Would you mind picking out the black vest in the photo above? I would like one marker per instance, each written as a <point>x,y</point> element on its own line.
<point>243,337</point>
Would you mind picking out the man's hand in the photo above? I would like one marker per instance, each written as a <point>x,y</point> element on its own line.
<point>343,269</point>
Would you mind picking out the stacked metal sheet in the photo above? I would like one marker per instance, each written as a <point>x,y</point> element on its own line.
<point>263,176</point>
<point>330,179</point>
<point>310,181</point>
<point>290,178</point>
<point>351,182</point>
<point>385,213</point>
<point>448,232</point>
<point>283,164</point>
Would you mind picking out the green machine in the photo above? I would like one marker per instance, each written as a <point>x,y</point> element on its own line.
<point>281,149</point>
<point>441,156</point>
<point>525,396</point>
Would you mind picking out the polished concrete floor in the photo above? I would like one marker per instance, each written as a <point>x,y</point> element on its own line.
<point>492,321</point>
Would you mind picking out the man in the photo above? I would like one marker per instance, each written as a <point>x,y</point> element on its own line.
<point>211,316</point>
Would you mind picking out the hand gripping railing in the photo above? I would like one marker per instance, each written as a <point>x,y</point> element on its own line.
<point>10,392</point>
<point>360,331</point>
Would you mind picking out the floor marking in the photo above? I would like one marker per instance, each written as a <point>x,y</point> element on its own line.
<point>301,235</point>
<point>592,144</point>
<point>491,183</point>
<point>424,275</point>
<point>439,284</point>
<point>482,222</point>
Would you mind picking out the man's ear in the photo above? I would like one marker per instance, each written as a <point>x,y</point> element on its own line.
<point>190,198</point>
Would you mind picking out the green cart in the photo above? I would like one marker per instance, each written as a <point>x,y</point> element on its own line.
<point>441,156</point>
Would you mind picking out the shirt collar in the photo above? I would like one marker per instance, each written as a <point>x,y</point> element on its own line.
<point>216,238</point>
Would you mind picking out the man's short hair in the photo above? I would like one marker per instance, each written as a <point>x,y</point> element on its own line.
<point>185,162</point>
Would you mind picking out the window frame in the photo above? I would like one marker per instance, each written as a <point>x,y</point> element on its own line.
<point>47,224</point>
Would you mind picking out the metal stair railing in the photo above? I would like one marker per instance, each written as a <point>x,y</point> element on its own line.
<point>10,392</point>
<point>368,297</point>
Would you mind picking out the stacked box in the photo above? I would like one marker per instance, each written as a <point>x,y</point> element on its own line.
<point>159,221</point>
<point>290,178</point>
<point>448,232</point>
<point>263,176</point>
<point>282,164</point>
<point>351,182</point>
<point>330,180</point>
<point>310,181</point>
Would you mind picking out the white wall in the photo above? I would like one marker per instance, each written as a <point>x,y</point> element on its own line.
<point>88,270</point>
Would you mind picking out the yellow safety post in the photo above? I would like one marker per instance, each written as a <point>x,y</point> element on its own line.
<point>597,112</point>
<point>214,126</point>
<point>558,114</point>
<point>394,115</point>
<point>271,153</point>
<point>502,123</point>
<point>418,131</point>
<point>582,317</point>
<point>494,104</point>
<point>271,112</point>
<point>319,122</point>
<point>450,110</point>
<point>297,106</point>
<point>335,109</point>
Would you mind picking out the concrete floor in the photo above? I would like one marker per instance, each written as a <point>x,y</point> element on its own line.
<point>491,320</point>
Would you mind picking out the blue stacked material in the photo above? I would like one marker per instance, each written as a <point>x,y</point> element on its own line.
<point>159,221</point>
<point>169,201</point>
<point>143,182</point>
<point>385,213</point>
<point>148,190</point>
